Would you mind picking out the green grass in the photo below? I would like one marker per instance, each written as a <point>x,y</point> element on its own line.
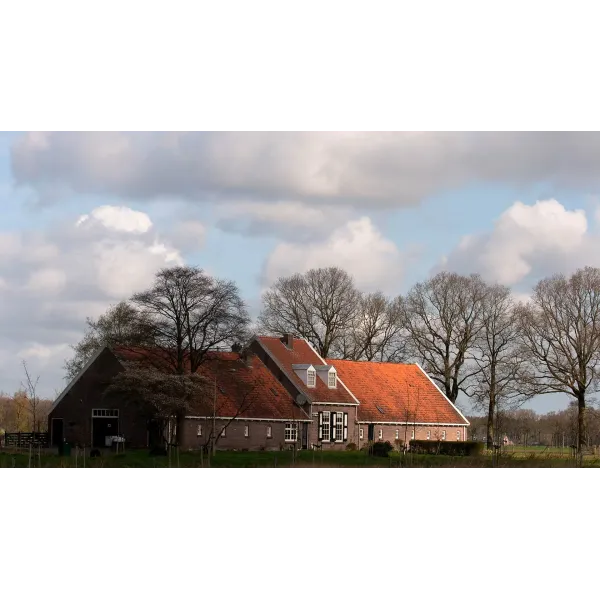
<point>526,457</point>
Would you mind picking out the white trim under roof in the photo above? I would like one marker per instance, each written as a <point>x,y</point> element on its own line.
<point>77,377</point>
<point>467,422</point>
<point>411,423</point>
<point>242,418</point>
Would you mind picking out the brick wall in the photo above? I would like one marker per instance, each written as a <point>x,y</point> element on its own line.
<point>405,433</point>
<point>235,437</point>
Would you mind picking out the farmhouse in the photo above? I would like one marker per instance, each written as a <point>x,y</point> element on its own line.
<point>274,393</point>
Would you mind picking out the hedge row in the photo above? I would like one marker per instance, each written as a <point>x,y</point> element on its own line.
<point>447,448</point>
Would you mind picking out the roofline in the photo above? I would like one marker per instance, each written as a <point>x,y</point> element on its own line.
<point>77,377</point>
<point>467,422</point>
<point>256,338</point>
<point>411,423</point>
<point>242,418</point>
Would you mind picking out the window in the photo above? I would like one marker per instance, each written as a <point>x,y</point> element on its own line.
<point>397,434</point>
<point>105,412</point>
<point>325,436</point>
<point>444,434</point>
<point>381,434</point>
<point>428,434</point>
<point>458,435</point>
<point>361,433</point>
<point>311,378</point>
<point>339,427</point>
<point>199,431</point>
<point>412,434</point>
<point>331,379</point>
<point>223,432</point>
<point>291,432</point>
<point>269,432</point>
<point>246,431</point>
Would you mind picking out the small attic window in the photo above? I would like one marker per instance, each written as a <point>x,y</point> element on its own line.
<point>331,379</point>
<point>274,392</point>
<point>380,409</point>
<point>311,378</point>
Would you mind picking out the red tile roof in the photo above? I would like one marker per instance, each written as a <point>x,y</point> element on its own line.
<point>253,387</point>
<point>303,354</point>
<point>392,392</point>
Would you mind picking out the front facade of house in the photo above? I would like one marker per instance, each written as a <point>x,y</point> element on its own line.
<point>276,393</point>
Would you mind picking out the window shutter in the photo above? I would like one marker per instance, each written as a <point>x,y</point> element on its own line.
<point>345,427</point>
<point>333,422</point>
<point>320,426</point>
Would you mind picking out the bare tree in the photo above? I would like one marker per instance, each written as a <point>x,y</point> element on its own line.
<point>30,387</point>
<point>561,332</point>
<point>503,376</point>
<point>319,305</point>
<point>376,334</point>
<point>442,317</point>
<point>121,325</point>
<point>190,313</point>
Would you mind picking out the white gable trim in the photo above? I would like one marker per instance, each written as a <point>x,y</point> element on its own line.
<point>242,418</point>
<point>79,375</point>
<point>467,422</point>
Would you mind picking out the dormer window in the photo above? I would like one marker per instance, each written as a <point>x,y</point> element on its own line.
<point>331,379</point>
<point>311,378</point>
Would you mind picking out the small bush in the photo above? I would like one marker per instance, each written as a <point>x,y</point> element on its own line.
<point>351,446</point>
<point>381,449</point>
<point>447,448</point>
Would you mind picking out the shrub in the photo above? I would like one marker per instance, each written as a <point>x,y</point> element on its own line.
<point>447,448</point>
<point>381,449</point>
<point>351,446</point>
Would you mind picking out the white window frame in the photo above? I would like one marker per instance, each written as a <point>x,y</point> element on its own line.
<point>105,413</point>
<point>443,434</point>
<point>246,431</point>
<point>361,433</point>
<point>199,431</point>
<point>381,434</point>
<point>412,434</point>
<point>291,432</point>
<point>397,434</point>
<point>311,378</point>
<point>326,426</point>
<point>330,375</point>
<point>339,427</point>
<point>429,434</point>
<point>269,432</point>
<point>458,435</point>
<point>223,432</point>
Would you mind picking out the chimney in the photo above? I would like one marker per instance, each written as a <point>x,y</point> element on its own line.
<point>288,340</point>
<point>247,357</point>
<point>237,348</point>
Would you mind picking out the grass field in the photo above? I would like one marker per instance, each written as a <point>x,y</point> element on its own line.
<point>523,457</point>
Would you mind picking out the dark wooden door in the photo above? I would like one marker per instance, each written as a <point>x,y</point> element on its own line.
<point>371,433</point>
<point>57,433</point>
<point>304,436</point>
<point>103,427</point>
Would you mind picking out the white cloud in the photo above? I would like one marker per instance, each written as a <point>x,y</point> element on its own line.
<point>119,218</point>
<point>47,281</point>
<point>528,241</point>
<point>358,247</point>
<point>51,281</point>
<point>289,220</point>
<point>354,168</point>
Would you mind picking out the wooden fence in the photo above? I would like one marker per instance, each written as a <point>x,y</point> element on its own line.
<point>26,439</point>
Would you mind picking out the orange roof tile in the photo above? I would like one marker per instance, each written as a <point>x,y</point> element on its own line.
<point>250,386</point>
<point>392,392</point>
<point>303,354</point>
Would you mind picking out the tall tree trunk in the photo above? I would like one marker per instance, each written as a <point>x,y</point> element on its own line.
<point>580,424</point>
<point>490,422</point>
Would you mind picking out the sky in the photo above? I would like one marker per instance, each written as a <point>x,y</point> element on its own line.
<point>87,218</point>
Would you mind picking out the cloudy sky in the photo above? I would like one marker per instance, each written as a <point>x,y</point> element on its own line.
<point>86,218</point>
